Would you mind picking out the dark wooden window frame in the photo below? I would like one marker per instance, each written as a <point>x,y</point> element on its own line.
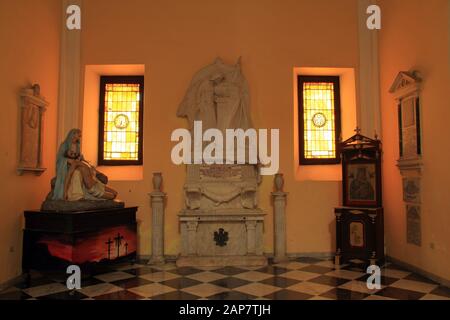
<point>337,116</point>
<point>101,124</point>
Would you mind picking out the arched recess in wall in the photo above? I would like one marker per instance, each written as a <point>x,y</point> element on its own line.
<point>331,172</point>
<point>90,119</point>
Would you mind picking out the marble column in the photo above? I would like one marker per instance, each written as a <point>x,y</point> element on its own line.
<point>157,198</point>
<point>69,107</point>
<point>279,215</point>
<point>369,113</point>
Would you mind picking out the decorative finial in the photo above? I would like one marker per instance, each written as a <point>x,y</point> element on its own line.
<point>376,135</point>
<point>357,130</point>
<point>36,89</point>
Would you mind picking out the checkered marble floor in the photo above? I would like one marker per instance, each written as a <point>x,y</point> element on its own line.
<point>299,279</point>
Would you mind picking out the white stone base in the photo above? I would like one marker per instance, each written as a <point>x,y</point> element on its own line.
<point>156,260</point>
<point>243,243</point>
<point>280,259</point>
<point>217,261</point>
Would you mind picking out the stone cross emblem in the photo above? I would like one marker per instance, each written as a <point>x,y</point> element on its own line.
<point>221,237</point>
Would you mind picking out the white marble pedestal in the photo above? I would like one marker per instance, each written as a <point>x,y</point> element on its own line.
<point>239,243</point>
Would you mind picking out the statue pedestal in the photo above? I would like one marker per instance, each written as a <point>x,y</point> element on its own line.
<point>157,203</point>
<point>221,224</point>
<point>279,215</point>
<point>90,239</point>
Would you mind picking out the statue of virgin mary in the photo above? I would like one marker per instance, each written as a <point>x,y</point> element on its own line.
<point>76,179</point>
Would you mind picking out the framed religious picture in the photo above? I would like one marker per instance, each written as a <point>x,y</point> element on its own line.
<point>361,184</point>
<point>361,171</point>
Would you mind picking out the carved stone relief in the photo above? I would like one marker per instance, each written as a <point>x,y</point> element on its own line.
<point>33,106</point>
<point>413,228</point>
<point>411,189</point>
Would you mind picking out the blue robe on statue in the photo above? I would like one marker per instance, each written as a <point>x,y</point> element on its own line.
<point>61,164</point>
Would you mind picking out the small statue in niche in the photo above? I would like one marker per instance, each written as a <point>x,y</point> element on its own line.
<point>78,185</point>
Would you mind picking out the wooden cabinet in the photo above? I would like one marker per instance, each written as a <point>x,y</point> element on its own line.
<point>359,222</point>
<point>54,240</point>
<point>359,235</point>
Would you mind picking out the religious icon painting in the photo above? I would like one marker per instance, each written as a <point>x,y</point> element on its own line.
<point>361,171</point>
<point>361,182</point>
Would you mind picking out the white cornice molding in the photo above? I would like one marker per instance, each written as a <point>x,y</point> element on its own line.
<point>406,83</point>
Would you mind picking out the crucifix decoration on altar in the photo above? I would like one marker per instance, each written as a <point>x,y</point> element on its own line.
<point>118,241</point>
<point>108,243</point>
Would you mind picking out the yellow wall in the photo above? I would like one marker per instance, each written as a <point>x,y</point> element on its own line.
<point>415,35</point>
<point>29,50</point>
<point>173,39</point>
<point>91,92</point>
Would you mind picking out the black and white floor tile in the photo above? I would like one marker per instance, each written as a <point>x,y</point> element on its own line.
<point>299,279</point>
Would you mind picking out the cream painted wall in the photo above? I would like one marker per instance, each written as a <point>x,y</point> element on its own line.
<point>173,39</point>
<point>91,103</point>
<point>415,35</point>
<point>29,49</point>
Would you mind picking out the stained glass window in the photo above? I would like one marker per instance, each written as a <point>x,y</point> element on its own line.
<point>121,114</point>
<point>319,119</point>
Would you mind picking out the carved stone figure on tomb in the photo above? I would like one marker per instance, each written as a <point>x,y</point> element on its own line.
<point>218,96</point>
